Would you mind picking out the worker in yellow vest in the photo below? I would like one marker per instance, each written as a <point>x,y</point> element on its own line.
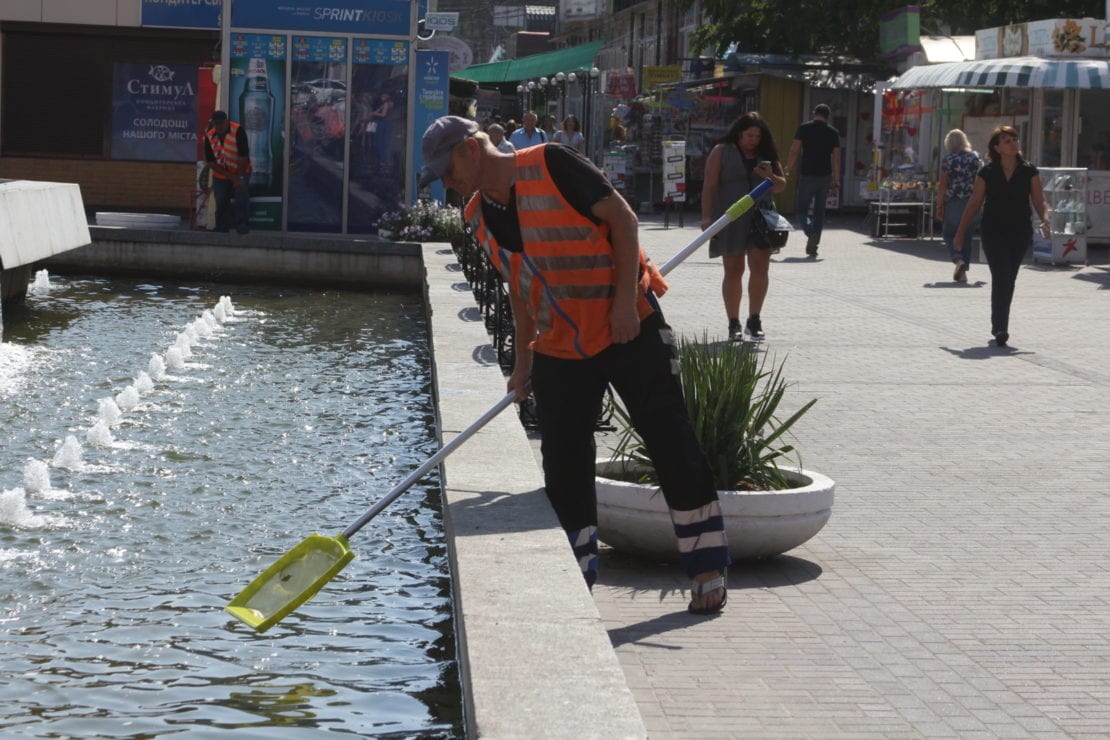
<point>228,156</point>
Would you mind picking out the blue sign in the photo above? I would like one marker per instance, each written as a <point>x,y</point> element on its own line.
<point>257,46</point>
<point>369,17</point>
<point>181,13</point>
<point>317,49</point>
<point>154,112</point>
<point>378,51</point>
<point>432,97</point>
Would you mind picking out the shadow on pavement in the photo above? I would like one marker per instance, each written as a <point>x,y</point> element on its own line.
<point>953,284</point>
<point>932,250</point>
<point>1100,278</point>
<point>986,352</point>
<point>775,572</point>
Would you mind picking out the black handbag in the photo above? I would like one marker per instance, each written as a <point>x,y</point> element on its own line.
<point>775,226</point>
<point>768,229</point>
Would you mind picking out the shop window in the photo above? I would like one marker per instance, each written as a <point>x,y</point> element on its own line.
<point>1052,128</point>
<point>1094,130</point>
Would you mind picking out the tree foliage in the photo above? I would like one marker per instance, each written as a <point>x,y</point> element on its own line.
<point>851,28</point>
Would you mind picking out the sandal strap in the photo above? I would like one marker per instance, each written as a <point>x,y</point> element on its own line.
<point>701,589</point>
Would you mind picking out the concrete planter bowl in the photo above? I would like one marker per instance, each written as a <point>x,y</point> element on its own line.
<point>633,518</point>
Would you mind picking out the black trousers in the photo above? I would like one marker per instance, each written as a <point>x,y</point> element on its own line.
<point>644,372</point>
<point>1005,253</point>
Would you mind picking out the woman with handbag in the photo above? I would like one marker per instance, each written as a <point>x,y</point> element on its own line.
<point>744,156</point>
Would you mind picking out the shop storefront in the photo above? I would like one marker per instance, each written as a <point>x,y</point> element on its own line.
<point>784,92</point>
<point>1049,79</point>
<point>329,98</point>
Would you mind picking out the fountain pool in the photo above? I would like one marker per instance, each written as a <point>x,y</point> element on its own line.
<point>145,478</point>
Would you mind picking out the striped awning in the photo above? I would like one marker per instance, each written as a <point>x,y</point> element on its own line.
<point>1012,72</point>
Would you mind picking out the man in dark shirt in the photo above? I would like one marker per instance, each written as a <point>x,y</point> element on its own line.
<point>546,216</point>
<point>228,156</point>
<point>819,145</point>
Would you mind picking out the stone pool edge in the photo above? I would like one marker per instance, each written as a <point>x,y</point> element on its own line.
<point>327,260</point>
<point>535,657</point>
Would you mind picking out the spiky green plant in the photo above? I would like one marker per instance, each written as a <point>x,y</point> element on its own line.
<point>733,396</point>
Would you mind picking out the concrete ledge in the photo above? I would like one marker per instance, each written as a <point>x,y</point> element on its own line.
<point>270,256</point>
<point>535,658</point>
<point>38,219</point>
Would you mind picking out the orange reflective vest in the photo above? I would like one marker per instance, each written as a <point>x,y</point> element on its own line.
<point>226,149</point>
<point>566,273</point>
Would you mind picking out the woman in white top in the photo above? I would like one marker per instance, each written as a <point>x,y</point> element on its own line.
<point>571,135</point>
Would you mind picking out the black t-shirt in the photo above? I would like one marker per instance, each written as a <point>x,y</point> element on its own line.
<point>577,178</point>
<point>1006,208</point>
<point>819,139</point>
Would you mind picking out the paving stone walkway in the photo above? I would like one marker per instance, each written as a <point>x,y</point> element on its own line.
<point>961,588</point>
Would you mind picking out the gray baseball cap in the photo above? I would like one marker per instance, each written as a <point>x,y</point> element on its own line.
<point>440,140</point>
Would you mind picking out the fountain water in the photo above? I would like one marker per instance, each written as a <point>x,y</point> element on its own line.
<point>143,383</point>
<point>304,407</point>
<point>157,368</point>
<point>127,399</point>
<point>175,358</point>
<point>36,476</point>
<point>40,285</point>
<point>108,411</point>
<point>69,455</point>
<point>99,434</point>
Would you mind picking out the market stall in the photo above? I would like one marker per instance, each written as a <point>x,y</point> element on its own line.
<point>1050,79</point>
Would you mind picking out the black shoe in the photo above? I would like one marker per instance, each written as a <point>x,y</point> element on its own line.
<point>811,246</point>
<point>1001,337</point>
<point>735,332</point>
<point>755,327</point>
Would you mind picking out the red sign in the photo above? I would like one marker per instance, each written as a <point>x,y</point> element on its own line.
<point>621,85</point>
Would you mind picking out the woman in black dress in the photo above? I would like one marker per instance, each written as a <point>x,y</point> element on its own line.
<point>1009,188</point>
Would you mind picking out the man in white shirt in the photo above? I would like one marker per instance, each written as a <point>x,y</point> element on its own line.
<point>527,135</point>
<point>497,138</point>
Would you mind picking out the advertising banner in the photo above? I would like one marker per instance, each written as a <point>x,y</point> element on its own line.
<point>674,171</point>
<point>377,17</point>
<point>432,94</point>
<point>653,76</point>
<point>620,84</point>
<point>181,13</point>
<point>900,32</point>
<point>318,133</point>
<point>257,103</point>
<point>380,133</point>
<point>154,112</point>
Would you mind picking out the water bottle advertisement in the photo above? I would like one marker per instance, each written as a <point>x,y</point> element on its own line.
<point>257,103</point>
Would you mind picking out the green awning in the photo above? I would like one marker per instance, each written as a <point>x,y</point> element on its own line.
<point>571,59</point>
